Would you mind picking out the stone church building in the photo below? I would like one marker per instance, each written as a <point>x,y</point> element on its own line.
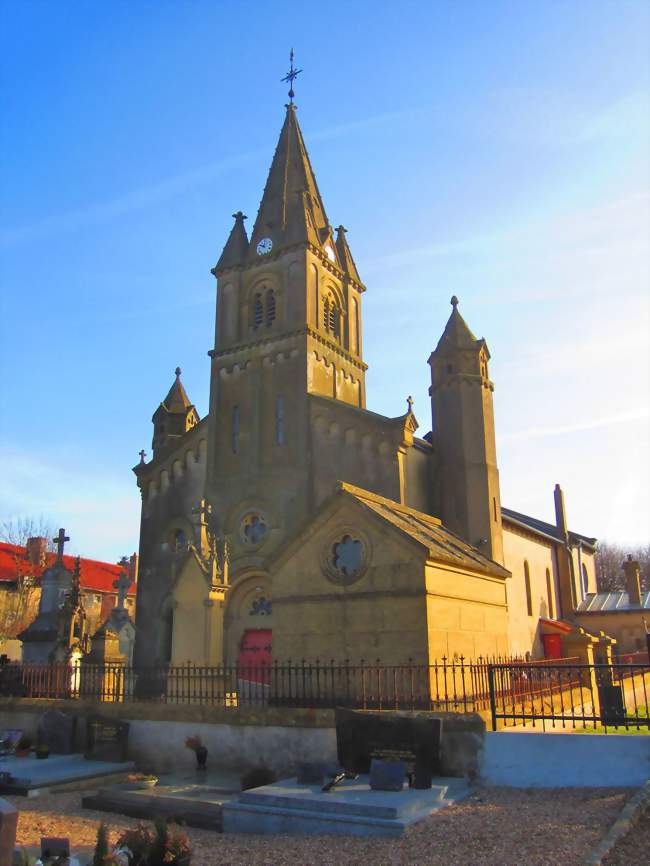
<point>293,522</point>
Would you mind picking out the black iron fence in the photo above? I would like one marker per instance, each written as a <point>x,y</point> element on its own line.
<point>573,696</point>
<point>552,694</point>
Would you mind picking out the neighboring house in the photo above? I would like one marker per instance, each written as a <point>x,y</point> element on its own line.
<point>624,614</point>
<point>21,569</point>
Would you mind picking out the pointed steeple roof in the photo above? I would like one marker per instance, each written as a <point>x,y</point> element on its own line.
<point>177,399</point>
<point>457,334</point>
<point>234,252</point>
<point>291,210</point>
<point>345,256</point>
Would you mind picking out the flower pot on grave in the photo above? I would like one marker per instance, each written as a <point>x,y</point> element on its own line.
<point>22,753</point>
<point>201,757</point>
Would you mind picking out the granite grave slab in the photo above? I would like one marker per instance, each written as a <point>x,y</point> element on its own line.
<point>30,777</point>
<point>352,808</point>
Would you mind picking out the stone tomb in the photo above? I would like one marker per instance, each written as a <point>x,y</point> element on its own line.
<point>411,738</point>
<point>31,776</point>
<point>389,745</point>
<point>349,809</point>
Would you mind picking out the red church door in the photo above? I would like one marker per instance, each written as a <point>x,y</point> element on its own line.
<point>255,656</point>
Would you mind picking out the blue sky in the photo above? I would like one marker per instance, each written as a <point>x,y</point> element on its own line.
<point>497,151</point>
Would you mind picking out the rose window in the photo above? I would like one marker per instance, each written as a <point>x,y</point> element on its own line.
<point>347,556</point>
<point>253,529</point>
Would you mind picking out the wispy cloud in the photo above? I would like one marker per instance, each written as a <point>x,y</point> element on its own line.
<point>100,513</point>
<point>564,429</point>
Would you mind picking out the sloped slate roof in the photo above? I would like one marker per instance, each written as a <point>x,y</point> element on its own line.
<point>95,575</point>
<point>608,602</point>
<point>443,545</point>
<point>544,528</point>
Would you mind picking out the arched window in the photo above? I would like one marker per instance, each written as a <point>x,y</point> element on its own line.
<point>529,595</point>
<point>331,316</point>
<point>234,433</point>
<point>585,580</point>
<point>355,326</point>
<point>270,307</point>
<point>549,593</point>
<point>258,311</point>
<point>279,419</point>
<point>314,276</point>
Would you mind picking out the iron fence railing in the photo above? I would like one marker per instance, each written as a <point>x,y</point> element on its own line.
<point>573,696</point>
<point>553,694</point>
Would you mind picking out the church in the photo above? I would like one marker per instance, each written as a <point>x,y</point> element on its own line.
<point>292,522</point>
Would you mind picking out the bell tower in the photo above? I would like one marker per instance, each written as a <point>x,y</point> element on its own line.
<point>288,325</point>
<point>467,494</point>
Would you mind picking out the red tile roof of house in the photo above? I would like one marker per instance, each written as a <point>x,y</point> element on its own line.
<point>95,575</point>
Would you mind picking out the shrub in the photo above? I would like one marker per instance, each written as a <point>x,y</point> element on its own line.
<point>139,841</point>
<point>101,846</point>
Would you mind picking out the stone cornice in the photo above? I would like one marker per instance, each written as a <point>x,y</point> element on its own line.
<point>305,330</point>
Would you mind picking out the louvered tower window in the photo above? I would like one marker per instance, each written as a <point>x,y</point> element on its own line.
<point>334,320</point>
<point>270,307</point>
<point>258,311</point>
<point>326,314</point>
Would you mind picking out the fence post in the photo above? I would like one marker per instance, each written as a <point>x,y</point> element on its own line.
<point>493,701</point>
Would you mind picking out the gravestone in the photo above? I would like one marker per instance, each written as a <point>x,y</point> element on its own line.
<point>54,846</point>
<point>8,826</point>
<point>56,730</point>
<point>106,739</point>
<point>387,775</point>
<point>413,738</point>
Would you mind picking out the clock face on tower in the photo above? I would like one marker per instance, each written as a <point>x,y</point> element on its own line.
<point>330,253</point>
<point>264,247</point>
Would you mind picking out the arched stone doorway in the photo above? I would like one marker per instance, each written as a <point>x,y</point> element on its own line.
<point>249,620</point>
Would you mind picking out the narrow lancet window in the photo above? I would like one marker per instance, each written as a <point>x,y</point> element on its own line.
<point>529,594</point>
<point>258,311</point>
<point>279,420</point>
<point>270,307</point>
<point>235,429</point>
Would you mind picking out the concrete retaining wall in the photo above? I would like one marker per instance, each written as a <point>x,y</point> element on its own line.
<point>279,738</point>
<point>565,760</point>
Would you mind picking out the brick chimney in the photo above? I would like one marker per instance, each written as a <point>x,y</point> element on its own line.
<point>560,512</point>
<point>35,549</point>
<point>633,580</point>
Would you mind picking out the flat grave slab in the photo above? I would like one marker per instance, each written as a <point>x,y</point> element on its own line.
<point>31,776</point>
<point>351,808</point>
<point>195,799</point>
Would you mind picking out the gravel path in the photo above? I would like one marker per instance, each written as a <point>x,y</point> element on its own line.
<point>633,848</point>
<point>494,827</point>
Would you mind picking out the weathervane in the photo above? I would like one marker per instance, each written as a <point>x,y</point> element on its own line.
<point>291,76</point>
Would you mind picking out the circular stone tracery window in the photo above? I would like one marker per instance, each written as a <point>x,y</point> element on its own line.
<point>253,529</point>
<point>345,558</point>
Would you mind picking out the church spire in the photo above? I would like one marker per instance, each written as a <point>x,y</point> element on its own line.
<point>291,210</point>
<point>457,334</point>
<point>174,417</point>
<point>234,252</point>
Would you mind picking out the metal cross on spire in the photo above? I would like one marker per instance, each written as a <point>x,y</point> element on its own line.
<point>291,76</point>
